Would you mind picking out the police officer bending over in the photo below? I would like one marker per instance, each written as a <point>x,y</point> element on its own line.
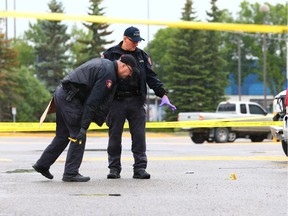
<point>84,96</point>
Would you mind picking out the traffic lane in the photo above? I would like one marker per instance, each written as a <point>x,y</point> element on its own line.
<point>161,146</point>
<point>183,180</point>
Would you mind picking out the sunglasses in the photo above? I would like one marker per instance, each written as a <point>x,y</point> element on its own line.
<point>129,68</point>
<point>130,39</point>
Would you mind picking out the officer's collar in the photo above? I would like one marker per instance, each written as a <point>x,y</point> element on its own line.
<point>127,51</point>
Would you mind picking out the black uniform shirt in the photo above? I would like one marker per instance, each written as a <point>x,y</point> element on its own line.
<point>147,75</point>
<point>97,81</point>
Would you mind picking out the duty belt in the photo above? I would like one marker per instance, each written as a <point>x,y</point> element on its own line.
<point>126,94</point>
<point>71,90</point>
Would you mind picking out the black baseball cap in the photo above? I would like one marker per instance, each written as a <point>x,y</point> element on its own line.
<point>128,59</point>
<point>133,33</point>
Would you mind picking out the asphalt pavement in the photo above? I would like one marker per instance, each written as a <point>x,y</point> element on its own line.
<point>233,179</point>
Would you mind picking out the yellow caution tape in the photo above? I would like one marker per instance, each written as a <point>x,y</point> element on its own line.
<point>268,117</point>
<point>51,126</point>
<point>179,24</point>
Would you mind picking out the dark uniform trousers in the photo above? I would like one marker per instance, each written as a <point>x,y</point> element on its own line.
<point>132,109</point>
<point>68,119</point>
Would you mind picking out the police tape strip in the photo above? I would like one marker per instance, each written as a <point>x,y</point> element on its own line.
<point>51,126</point>
<point>178,24</point>
<point>268,117</point>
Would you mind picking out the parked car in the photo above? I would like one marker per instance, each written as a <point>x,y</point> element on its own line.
<point>229,110</point>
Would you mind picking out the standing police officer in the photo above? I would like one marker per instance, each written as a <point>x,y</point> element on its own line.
<point>84,96</point>
<point>129,104</point>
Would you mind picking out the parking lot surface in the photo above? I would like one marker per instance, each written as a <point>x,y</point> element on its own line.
<point>240,178</point>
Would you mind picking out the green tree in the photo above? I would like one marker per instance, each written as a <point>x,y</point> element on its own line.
<point>276,47</point>
<point>51,45</point>
<point>77,56</point>
<point>8,83</point>
<point>158,50</point>
<point>97,32</point>
<point>214,63</point>
<point>185,69</point>
<point>32,96</point>
<point>35,33</point>
<point>26,52</point>
<point>251,45</point>
<point>18,86</point>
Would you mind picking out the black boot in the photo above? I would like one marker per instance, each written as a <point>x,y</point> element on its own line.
<point>43,171</point>
<point>114,174</point>
<point>141,174</point>
<point>75,178</point>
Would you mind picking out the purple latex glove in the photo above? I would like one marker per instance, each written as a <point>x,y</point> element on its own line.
<point>165,100</point>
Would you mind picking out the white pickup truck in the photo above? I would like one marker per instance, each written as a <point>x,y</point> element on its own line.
<point>228,110</point>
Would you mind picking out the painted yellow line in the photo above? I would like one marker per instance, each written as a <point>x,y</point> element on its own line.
<point>188,158</point>
<point>221,158</point>
<point>5,160</point>
<point>197,158</point>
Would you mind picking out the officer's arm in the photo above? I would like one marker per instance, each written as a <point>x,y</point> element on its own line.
<point>152,79</point>
<point>99,93</point>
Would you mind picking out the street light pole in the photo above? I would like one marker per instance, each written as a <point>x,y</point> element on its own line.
<point>239,66</point>
<point>265,69</point>
<point>264,9</point>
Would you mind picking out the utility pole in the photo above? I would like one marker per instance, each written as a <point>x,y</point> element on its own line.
<point>239,66</point>
<point>265,9</point>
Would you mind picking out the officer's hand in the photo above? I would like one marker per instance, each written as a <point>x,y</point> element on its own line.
<point>81,137</point>
<point>165,100</point>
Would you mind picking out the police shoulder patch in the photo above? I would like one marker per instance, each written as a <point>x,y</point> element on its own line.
<point>108,84</point>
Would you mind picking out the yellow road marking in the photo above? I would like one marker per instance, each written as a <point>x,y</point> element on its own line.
<point>222,158</point>
<point>5,160</point>
<point>187,158</point>
<point>197,158</point>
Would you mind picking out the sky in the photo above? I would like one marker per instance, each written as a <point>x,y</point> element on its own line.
<point>160,10</point>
